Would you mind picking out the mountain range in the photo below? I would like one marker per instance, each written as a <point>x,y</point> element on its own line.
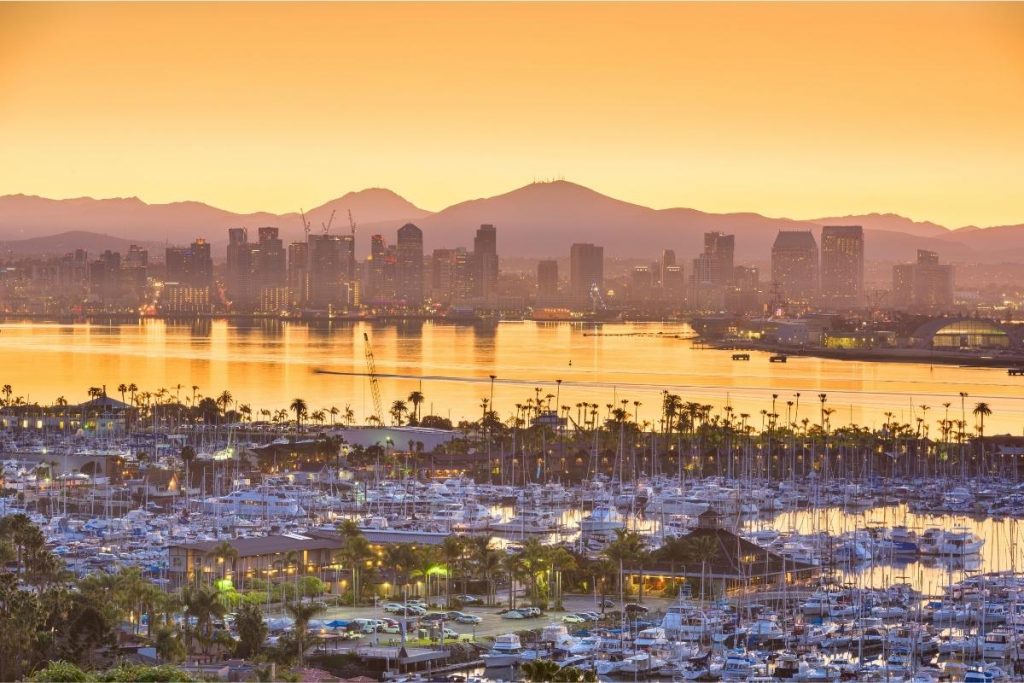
<point>540,219</point>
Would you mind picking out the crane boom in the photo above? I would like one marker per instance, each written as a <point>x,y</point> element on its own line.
<point>327,225</point>
<point>371,369</point>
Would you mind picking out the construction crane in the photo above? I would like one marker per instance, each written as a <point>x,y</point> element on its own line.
<point>305,223</point>
<point>371,370</point>
<point>327,225</point>
<point>352,227</point>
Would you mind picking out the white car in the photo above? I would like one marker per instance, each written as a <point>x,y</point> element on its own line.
<point>573,619</point>
<point>394,607</point>
<point>513,614</point>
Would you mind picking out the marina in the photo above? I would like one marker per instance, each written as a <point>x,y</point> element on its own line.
<point>696,544</point>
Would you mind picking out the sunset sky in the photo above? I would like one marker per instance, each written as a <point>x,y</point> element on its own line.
<point>798,110</point>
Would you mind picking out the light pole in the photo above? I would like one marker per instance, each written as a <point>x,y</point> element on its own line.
<point>490,465</point>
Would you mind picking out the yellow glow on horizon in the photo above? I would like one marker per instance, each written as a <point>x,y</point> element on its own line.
<point>798,109</point>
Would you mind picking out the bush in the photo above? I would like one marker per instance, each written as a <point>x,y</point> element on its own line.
<point>60,672</point>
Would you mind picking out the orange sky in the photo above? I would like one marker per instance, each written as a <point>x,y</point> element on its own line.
<point>797,110</point>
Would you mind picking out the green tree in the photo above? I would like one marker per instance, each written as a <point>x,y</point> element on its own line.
<point>302,612</point>
<point>252,631</point>
<point>299,407</point>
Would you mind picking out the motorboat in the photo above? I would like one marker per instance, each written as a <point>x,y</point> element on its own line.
<point>506,651</point>
<point>602,520</point>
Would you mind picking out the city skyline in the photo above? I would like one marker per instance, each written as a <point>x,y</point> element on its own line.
<point>219,119</point>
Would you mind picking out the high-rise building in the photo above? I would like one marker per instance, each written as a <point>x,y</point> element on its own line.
<point>668,259</point>
<point>641,282</point>
<point>298,273</point>
<point>327,260</point>
<point>241,269</point>
<point>586,269</point>
<point>715,265</point>
<point>191,265</point>
<point>743,294</point>
<point>272,265</point>
<point>485,258</point>
<point>105,279</point>
<point>673,283</point>
<point>925,286</point>
<point>547,278</point>
<point>795,266</point>
<point>409,265</point>
<point>842,266</point>
<point>381,271</point>
<point>441,275</point>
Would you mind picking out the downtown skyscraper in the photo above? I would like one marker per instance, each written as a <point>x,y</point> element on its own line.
<point>842,266</point>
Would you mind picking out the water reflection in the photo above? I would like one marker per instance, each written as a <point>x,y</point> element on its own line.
<point>266,363</point>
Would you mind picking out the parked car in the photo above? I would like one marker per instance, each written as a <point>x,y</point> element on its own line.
<point>634,608</point>
<point>594,616</point>
<point>394,607</point>
<point>468,619</point>
<point>531,611</point>
<point>606,603</point>
<point>573,619</point>
<point>434,616</point>
<point>511,614</point>
<point>468,599</point>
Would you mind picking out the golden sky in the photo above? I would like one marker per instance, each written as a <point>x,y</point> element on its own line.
<point>797,110</point>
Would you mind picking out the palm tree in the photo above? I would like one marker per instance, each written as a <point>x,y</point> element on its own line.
<point>298,406</point>
<point>416,399</point>
<point>624,549</point>
<point>224,552</point>
<point>246,410</point>
<point>333,413</point>
<point>224,401</point>
<point>122,388</point>
<point>293,559</point>
<point>398,409</point>
<point>454,550</point>
<point>204,605</point>
<point>318,416</point>
<point>981,411</point>
<point>302,612</point>
<point>355,551</point>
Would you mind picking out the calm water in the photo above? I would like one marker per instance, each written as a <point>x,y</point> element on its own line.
<point>268,364</point>
<point>1002,550</point>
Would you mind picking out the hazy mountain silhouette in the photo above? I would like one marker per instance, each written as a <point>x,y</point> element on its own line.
<point>539,219</point>
<point>23,216</point>
<point>65,242</point>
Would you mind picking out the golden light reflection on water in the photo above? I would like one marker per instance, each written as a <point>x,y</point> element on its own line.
<point>266,364</point>
<point>1002,550</point>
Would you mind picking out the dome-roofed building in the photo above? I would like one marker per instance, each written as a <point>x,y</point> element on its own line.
<point>966,334</point>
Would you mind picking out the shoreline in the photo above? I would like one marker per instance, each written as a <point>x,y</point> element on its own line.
<point>894,355</point>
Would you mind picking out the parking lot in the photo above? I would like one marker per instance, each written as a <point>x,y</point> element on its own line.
<point>491,623</point>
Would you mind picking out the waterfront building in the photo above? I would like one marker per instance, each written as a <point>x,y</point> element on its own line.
<point>795,266</point>
<point>485,262</point>
<point>925,286</point>
<point>177,298</point>
<point>586,269</point>
<point>298,273</point>
<point>409,266</point>
<point>842,266</point>
<point>191,265</point>
<point>714,266</point>
<point>329,271</point>
<point>547,278</point>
